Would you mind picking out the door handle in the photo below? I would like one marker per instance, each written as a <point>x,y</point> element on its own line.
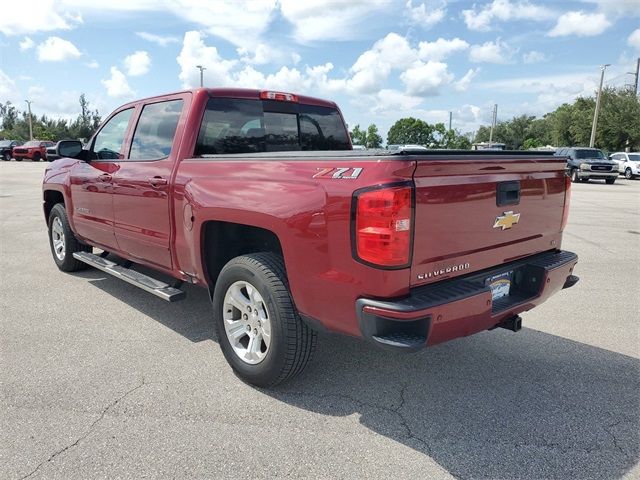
<point>157,181</point>
<point>105,177</point>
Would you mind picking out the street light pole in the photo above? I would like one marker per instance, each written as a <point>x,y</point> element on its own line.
<point>29,102</point>
<point>493,124</point>
<point>202,69</point>
<point>595,114</point>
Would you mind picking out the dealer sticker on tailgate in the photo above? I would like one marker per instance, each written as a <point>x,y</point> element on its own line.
<point>500,285</point>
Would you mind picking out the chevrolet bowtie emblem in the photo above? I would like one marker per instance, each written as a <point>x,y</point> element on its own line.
<point>506,220</point>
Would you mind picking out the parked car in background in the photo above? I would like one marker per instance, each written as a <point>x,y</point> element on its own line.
<point>406,147</point>
<point>584,164</point>
<point>35,150</point>
<point>6,148</point>
<point>628,163</point>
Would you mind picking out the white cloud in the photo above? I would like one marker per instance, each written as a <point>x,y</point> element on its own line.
<point>634,39</point>
<point>195,52</point>
<point>224,18</point>
<point>463,84</point>
<point>549,91</point>
<point>426,79</point>
<point>161,40</point>
<point>117,85</point>
<point>534,56</point>
<point>262,54</point>
<point>367,82</point>
<point>31,16</point>
<point>138,63</point>
<point>580,24</point>
<point>7,86</point>
<point>480,19</point>
<point>491,52</point>
<point>26,44</point>
<point>331,19</point>
<point>440,49</point>
<point>617,7</point>
<point>92,64</point>
<point>241,25</point>
<point>393,101</point>
<point>424,15</point>
<point>56,49</point>
<point>373,67</point>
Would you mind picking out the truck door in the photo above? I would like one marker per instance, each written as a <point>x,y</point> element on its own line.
<point>141,185</point>
<point>91,182</point>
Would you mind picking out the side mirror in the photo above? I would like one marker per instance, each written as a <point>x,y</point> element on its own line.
<point>69,148</point>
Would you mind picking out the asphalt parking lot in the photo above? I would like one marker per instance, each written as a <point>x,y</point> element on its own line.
<point>101,380</point>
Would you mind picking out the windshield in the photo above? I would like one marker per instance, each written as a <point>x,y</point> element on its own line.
<point>5,143</point>
<point>589,154</point>
<point>32,143</point>
<point>248,126</point>
<point>634,157</point>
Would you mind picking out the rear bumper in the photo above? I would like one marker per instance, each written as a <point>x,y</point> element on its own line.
<point>463,306</point>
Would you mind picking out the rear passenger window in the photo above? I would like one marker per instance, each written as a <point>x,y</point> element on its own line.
<point>156,128</point>
<point>234,125</point>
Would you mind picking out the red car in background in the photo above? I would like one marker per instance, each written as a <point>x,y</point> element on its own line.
<point>35,150</point>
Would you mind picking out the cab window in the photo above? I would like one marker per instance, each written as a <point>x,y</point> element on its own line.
<point>249,126</point>
<point>108,142</point>
<point>156,128</point>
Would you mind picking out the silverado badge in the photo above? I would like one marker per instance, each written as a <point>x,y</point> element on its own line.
<point>506,220</point>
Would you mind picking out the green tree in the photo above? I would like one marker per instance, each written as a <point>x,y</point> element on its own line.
<point>411,130</point>
<point>373,138</point>
<point>560,125</point>
<point>619,120</point>
<point>9,115</point>
<point>358,136</point>
<point>581,121</point>
<point>87,122</point>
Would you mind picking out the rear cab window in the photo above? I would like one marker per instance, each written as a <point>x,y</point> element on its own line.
<point>233,125</point>
<point>156,128</point>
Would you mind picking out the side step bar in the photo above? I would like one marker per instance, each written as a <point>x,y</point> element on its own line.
<point>140,280</point>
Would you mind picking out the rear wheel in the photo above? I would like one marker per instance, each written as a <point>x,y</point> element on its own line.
<point>36,157</point>
<point>6,156</point>
<point>63,242</point>
<point>610,181</point>
<point>628,174</point>
<point>259,330</point>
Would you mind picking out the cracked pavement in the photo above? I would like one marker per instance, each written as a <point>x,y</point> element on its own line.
<point>100,380</point>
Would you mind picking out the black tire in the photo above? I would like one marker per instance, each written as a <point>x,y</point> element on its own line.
<point>36,157</point>
<point>628,174</point>
<point>610,181</point>
<point>71,244</point>
<point>6,156</point>
<point>574,175</point>
<point>292,341</point>
<point>18,159</point>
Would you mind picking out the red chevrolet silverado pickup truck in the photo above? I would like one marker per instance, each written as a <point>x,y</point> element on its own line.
<point>258,196</point>
<point>34,150</point>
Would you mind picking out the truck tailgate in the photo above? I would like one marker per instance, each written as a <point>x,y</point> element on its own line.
<point>473,213</point>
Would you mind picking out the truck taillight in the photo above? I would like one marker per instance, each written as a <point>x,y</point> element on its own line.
<point>281,96</point>
<point>383,227</point>
<point>567,201</point>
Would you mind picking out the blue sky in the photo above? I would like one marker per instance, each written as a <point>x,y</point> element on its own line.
<point>380,60</point>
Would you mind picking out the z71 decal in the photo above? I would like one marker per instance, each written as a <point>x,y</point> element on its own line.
<point>347,173</point>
